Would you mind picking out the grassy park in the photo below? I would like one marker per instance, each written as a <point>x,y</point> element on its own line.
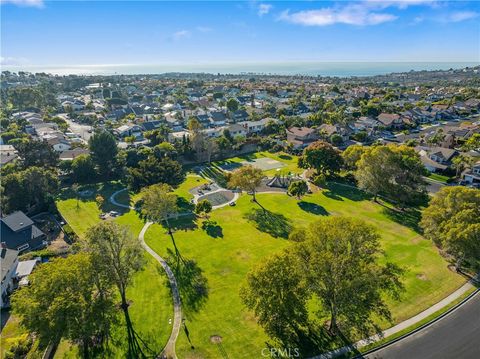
<point>216,263</point>
<point>151,306</point>
<point>246,237</point>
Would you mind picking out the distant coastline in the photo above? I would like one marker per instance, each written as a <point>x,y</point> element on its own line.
<point>333,69</point>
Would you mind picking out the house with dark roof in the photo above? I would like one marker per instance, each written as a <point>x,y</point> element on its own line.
<point>151,125</point>
<point>20,233</point>
<point>301,137</point>
<point>240,115</point>
<point>218,118</point>
<point>9,263</point>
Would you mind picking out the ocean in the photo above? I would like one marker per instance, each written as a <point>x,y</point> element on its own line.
<point>339,69</point>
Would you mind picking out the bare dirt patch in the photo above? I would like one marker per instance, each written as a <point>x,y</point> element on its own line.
<point>422,276</point>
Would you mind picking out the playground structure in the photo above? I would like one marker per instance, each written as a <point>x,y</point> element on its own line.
<point>282,180</point>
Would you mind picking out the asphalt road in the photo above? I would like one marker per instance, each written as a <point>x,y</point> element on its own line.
<point>433,186</point>
<point>77,128</point>
<point>456,336</point>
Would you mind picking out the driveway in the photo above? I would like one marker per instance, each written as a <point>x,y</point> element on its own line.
<point>455,336</point>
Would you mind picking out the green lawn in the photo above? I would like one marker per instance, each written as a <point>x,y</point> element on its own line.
<point>289,161</point>
<point>438,177</point>
<point>10,333</point>
<point>223,260</point>
<point>150,295</point>
<point>191,181</point>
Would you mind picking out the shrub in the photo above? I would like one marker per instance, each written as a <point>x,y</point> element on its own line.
<point>20,346</point>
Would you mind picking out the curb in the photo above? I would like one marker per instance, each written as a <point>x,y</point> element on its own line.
<point>423,326</point>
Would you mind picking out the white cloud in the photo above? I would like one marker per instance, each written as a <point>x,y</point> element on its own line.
<point>401,4</point>
<point>264,9</point>
<point>25,3</point>
<point>461,16</point>
<point>13,61</point>
<point>204,28</point>
<point>181,34</point>
<point>353,14</point>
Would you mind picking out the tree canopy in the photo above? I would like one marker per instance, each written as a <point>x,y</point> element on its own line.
<point>247,178</point>
<point>298,188</point>
<point>37,153</point>
<point>119,255</point>
<point>155,170</point>
<point>83,169</point>
<point>395,172</point>
<point>33,187</point>
<point>103,148</point>
<point>452,222</point>
<point>337,261</point>
<point>69,299</point>
<point>321,156</point>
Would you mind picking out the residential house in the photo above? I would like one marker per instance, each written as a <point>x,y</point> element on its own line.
<point>128,130</point>
<point>59,144</point>
<point>330,130</point>
<point>70,155</point>
<point>8,263</point>
<point>7,154</point>
<point>75,105</point>
<point>473,175</point>
<point>301,137</point>
<point>213,132</point>
<point>24,269</point>
<point>237,130</point>
<point>151,125</point>
<point>178,136</point>
<point>390,120</point>
<point>20,233</point>
<point>365,124</point>
<point>256,126</point>
<point>436,159</point>
<point>218,118</point>
<point>240,115</point>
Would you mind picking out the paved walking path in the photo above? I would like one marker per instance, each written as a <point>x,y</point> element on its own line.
<point>169,350</point>
<point>403,325</point>
<point>114,201</point>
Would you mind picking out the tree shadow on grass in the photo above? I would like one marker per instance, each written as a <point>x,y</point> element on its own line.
<point>285,157</point>
<point>192,284</point>
<point>275,224</point>
<point>184,205</point>
<point>307,342</point>
<point>313,208</point>
<point>409,218</point>
<point>185,222</point>
<point>339,192</point>
<point>212,228</point>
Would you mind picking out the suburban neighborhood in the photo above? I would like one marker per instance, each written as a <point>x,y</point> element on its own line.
<point>240,179</point>
<point>95,150</point>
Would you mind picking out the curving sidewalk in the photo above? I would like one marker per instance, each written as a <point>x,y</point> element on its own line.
<point>169,349</point>
<point>114,201</point>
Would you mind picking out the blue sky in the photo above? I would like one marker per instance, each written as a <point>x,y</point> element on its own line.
<point>36,32</point>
